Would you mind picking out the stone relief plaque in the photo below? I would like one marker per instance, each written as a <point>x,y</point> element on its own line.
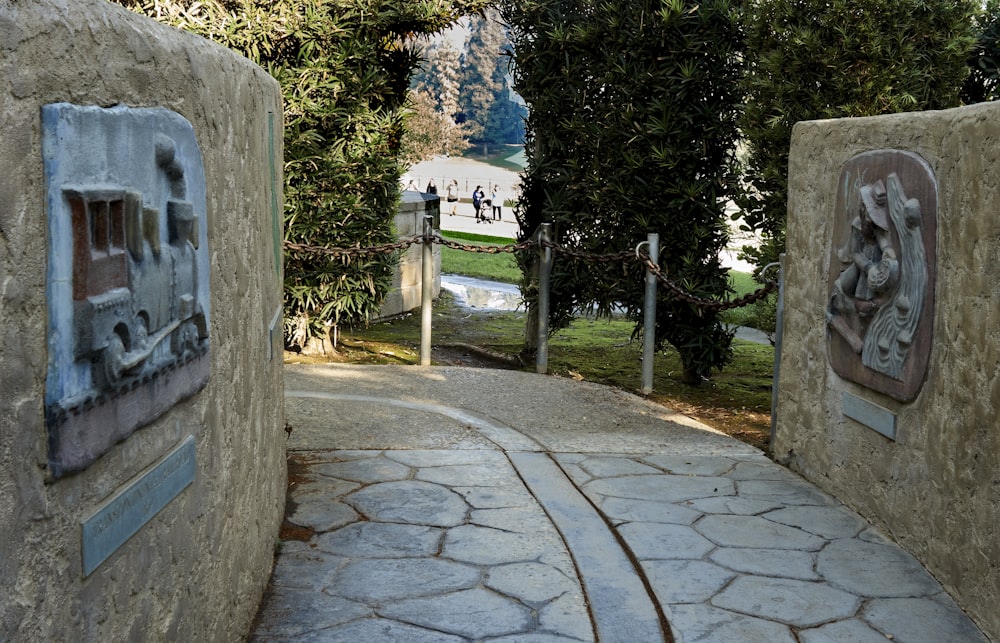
<point>880,310</point>
<point>127,283</point>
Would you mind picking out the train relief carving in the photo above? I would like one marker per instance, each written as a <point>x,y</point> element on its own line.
<point>138,335</point>
<point>882,270</point>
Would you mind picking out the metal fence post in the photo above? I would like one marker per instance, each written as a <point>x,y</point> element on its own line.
<point>779,322</point>
<point>649,315</point>
<point>544,274</point>
<point>426,290</point>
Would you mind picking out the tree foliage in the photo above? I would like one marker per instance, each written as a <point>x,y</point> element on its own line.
<point>632,129</point>
<point>815,59</point>
<point>344,67</point>
<point>983,83</point>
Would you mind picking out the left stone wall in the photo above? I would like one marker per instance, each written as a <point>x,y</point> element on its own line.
<point>195,569</point>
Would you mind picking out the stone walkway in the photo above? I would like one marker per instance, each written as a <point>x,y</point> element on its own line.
<point>450,504</point>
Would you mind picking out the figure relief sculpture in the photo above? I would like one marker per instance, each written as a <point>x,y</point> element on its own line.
<point>881,297</point>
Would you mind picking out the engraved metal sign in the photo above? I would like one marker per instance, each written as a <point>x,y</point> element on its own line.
<point>127,282</point>
<point>880,310</point>
<point>123,515</point>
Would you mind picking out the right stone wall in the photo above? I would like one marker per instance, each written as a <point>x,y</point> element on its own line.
<point>934,486</point>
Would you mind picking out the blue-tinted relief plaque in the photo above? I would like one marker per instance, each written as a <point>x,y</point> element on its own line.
<point>127,283</point>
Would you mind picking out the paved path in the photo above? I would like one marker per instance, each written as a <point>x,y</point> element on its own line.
<point>452,504</point>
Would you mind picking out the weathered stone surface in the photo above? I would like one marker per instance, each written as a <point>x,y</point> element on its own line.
<point>849,631</point>
<point>377,629</point>
<point>500,496</point>
<point>662,488</point>
<point>609,467</point>
<point>795,602</point>
<point>474,613</point>
<point>921,619</point>
<point>524,520</point>
<point>567,615</point>
<point>410,501</point>
<point>795,492</point>
<point>289,616</point>
<point>485,546</point>
<point>529,582</point>
<point>768,562</point>
<point>321,515</point>
<point>737,505</point>
<point>377,469</point>
<point>650,541</point>
<point>761,471</point>
<point>627,510</point>
<point>380,540</point>
<point>755,532</point>
<point>322,486</point>
<point>467,475</point>
<point>710,624</point>
<point>378,581</point>
<point>438,458</point>
<point>870,569</point>
<point>685,581</point>
<point>305,568</point>
<point>827,522</point>
<point>691,465</point>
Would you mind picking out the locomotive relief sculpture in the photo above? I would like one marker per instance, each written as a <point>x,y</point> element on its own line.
<point>132,340</point>
<point>880,308</point>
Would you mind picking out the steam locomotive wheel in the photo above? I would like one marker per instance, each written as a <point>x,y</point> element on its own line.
<point>113,360</point>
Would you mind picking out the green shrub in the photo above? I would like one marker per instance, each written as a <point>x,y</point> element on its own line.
<point>814,59</point>
<point>632,127</point>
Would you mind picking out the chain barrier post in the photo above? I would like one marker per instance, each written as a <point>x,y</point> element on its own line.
<point>544,274</point>
<point>778,331</point>
<point>649,315</point>
<point>426,290</point>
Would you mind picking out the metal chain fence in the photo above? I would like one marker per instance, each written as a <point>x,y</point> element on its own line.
<point>547,249</point>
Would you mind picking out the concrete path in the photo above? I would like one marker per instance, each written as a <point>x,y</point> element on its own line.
<point>453,504</point>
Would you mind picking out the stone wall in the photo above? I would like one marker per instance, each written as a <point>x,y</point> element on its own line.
<point>934,485</point>
<point>195,569</point>
<point>407,278</point>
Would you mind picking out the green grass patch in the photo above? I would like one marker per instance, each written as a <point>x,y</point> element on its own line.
<point>736,400</point>
<point>496,267</point>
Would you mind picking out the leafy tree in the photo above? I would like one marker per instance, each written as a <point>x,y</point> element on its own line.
<point>983,83</point>
<point>631,129</point>
<point>813,59</point>
<point>429,132</point>
<point>344,67</point>
<point>483,83</point>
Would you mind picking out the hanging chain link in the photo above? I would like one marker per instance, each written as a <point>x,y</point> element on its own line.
<point>676,291</point>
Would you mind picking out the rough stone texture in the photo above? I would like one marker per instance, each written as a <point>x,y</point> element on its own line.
<point>936,488</point>
<point>197,570</point>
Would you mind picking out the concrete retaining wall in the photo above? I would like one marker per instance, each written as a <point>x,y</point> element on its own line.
<point>408,277</point>
<point>196,569</point>
<point>935,488</point>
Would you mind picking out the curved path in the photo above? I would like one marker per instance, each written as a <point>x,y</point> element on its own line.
<point>454,504</point>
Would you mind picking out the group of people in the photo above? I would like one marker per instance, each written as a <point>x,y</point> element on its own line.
<point>483,204</point>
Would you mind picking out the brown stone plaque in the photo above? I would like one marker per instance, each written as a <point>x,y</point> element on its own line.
<point>883,265</point>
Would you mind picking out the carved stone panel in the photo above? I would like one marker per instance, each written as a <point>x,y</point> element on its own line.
<point>882,274</point>
<point>127,283</point>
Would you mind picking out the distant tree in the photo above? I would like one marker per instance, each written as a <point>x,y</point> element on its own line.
<point>631,129</point>
<point>429,132</point>
<point>983,83</point>
<point>813,59</point>
<point>440,75</point>
<point>483,84</point>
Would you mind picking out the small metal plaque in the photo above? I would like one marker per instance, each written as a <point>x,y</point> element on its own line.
<point>873,416</point>
<point>127,511</point>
